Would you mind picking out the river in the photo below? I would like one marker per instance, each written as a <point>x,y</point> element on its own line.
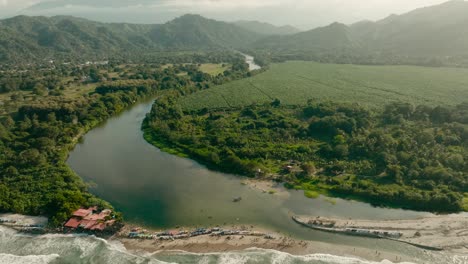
<point>158,190</point>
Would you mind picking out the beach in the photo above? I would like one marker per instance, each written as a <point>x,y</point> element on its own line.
<point>446,232</point>
<point>278,242</point>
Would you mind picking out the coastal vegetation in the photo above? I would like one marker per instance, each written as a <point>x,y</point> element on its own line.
<point>45,110</point>
<point>401,155</point>
<point>392,135</point>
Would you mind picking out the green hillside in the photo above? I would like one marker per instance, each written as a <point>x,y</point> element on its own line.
<point>296,82</point>
<point>417,37</point>
<point>26,38</point>
<point>333,37</point>
<point>435,30</point>
<point>197,32</point>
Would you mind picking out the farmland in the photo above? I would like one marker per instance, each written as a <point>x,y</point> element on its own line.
<point>297,82</point>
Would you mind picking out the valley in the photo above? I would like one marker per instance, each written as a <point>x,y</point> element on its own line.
<point>249,134</point>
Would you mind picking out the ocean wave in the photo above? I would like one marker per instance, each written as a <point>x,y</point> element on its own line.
<point>32,259</point>
<point>61,248</point>
<point>255,255</point>
<point>17,248</point>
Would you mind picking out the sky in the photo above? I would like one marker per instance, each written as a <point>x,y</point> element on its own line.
<point>300,13</point>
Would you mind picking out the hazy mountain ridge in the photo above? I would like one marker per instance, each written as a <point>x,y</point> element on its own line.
<point>25,37</point>
<point>436,31</point>
<point>266,28</point>
<point>194,31</point>
<point>431,31</point>
<point>333,37</point>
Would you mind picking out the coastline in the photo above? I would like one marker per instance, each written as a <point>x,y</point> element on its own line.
<point>432,229</point>
<point>280,242</point>
<point>444,232</point>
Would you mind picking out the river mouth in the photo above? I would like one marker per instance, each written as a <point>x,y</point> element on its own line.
<point>159,190</point>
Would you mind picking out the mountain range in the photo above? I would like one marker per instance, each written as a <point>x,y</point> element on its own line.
<point>440,30</point>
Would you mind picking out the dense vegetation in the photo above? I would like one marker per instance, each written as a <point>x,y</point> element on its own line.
<point>26,39</point>
<point>37,129</point>
<point>405,156</point>
<point>297,82</point>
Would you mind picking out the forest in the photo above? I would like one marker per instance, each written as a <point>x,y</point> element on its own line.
<point>44,114</point>
<point>403,155</point>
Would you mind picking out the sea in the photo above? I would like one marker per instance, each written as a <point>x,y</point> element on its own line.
<point>16,248</point>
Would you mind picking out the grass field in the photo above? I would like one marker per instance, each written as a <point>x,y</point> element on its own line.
<point>296,82</point>
<point>214,69</point>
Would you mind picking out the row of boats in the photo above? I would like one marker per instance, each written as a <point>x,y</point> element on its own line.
<point>173,235</point>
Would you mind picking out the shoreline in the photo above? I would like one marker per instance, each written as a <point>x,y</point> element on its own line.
<point>204,244</point>
<point>249,237</point>
<point>437,233</point>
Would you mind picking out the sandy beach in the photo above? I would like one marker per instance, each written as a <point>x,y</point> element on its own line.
<point>448,232</point>
<point>280,242</point>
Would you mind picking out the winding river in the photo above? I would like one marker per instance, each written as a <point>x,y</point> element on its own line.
<point>155,189</point>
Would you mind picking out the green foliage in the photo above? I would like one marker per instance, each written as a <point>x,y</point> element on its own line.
<point>35,139</point>
<point>398,155</point>
<point>36,38</point>
<point>311,194</point>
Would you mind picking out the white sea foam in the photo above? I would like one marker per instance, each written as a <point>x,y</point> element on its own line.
<point>56,248</point>
<point>32,259</point>
<point>255,255</point>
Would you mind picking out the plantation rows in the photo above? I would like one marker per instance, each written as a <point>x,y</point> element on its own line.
<point>297,82</point>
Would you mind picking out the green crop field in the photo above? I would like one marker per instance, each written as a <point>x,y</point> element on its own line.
<point>296,82</point>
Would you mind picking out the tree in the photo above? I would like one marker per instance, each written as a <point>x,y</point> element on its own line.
<point>276,103</point>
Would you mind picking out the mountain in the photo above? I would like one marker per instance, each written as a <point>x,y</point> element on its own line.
<point>266,28</point>
<point>423,34</point>
<point>435,31</point>
<point>194,31</point>
<point>333,37</point>
<point>25,37</point>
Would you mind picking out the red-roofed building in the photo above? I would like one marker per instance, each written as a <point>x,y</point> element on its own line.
<point>73,223</point>
<point>94,217</point>
<point>90,224</point>
<point>82,212</point>
<point>90,219</point>
<point>100,227</point>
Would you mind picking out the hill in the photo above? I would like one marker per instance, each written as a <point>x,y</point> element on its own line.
<point>432,36</point>
<point>333,37</point>
<point>266,28</point>
<point>29,38</point>
<point>436,32</point>
<point>374,86</point>
<point>197,32</point>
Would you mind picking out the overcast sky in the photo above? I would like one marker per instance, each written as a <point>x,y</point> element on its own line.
<point>300,13</point>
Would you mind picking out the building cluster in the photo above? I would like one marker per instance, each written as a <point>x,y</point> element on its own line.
<point>91,219</point>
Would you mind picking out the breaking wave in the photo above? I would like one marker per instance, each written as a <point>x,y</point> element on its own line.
<point>73,249</point>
